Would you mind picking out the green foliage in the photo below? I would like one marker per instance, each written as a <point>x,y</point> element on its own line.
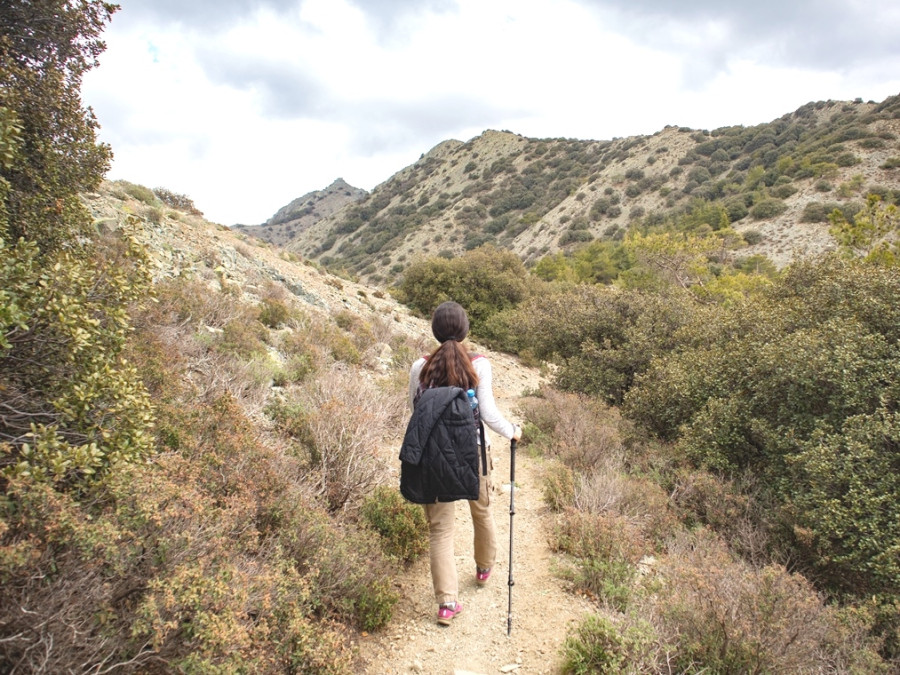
<point>485,281</point>
<point>45,49</point>
<point>138,192</point>
<point>871,234</point>
<point>77,408</point>
<point>402,526</point>
<point>600,646</point>
<point>600,262</point>
<point>786,386</point>
<point>820,212</point>
<point>767,208</point>
<point>80,408</point>
<point>575,237</point>
<point>846,510</point>
<point>600,337</point>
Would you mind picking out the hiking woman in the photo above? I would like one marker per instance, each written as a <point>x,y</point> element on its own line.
<point>452,365</point>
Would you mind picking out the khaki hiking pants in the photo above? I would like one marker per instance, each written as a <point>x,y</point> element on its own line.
<point>441,520</point>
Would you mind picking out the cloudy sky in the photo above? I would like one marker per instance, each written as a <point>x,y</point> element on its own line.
<point>246,104</point>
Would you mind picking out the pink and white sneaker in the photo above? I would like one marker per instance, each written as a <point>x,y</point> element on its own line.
<point>482,574</point>
<point>447,611</point>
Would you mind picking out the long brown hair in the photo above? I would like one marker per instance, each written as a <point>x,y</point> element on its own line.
<point>450,364</point>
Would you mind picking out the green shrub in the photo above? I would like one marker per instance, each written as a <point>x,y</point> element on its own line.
<point>797,380</point>
<point>600,337</point>
<point>783,191</point>
<point>574,237</point>
<point>846,496</point>
<point>559,487</point>
<point>752,237</point>
<point>402,526</point>
<point>846,159</point>
<point>767,208</point>
<point>600,646</point>
<point>485,281</point>
<point>138,192</point>
<point>736,208</point>
<point>273,312</point>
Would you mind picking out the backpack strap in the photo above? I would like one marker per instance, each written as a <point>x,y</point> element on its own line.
<point>484,470</point>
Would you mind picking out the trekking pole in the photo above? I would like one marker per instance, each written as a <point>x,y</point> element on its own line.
<point>512,512</point>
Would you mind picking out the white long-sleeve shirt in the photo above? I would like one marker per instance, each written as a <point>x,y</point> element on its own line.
<point>484,392</point>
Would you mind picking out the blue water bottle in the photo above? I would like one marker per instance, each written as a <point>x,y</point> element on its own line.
<point>472,400</point>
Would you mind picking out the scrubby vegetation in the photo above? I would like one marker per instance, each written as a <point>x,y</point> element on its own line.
<point>189,482</point>
<point>187,470</point>
<point>761,434</point>
<point>679,559</point>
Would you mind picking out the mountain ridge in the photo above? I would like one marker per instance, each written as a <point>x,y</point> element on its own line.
<point>539,196</point>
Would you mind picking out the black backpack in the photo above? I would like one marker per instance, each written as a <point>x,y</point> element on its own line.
<point>439,455</point>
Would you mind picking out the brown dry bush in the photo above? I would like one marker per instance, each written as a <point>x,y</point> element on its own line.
<point>215,557</point>
<point>724,615</point>
<point>638,500</point>
<point>579,430</point>
<point>191,303</point>
<point>559,487</point>
<point>348,417</point>
<point>184,564</point>
<point>733,509</point>
<point>585,436</point>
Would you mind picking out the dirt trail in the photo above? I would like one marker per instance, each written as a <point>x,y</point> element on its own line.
<point>542,610</point>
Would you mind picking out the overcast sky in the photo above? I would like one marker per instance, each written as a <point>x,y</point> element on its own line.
<point>244,105</point>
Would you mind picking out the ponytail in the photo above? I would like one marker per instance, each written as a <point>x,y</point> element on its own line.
<point>450,365</point>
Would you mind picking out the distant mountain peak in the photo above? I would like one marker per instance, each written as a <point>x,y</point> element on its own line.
<point>303,212</point>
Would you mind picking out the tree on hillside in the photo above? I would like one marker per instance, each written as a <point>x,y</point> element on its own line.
<point>485,281</point>
<point>46,46</point>
<point>70,406</point>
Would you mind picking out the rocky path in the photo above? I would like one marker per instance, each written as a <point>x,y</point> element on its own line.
<point>542,610</point>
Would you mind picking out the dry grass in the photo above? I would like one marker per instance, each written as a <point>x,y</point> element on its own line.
<point>348,416</point>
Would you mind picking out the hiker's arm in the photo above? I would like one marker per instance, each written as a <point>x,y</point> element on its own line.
<point>487,408</point>
<point>414,372</point>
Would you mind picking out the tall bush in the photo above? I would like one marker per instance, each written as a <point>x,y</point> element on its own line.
<point>485,281</point>
<point>74,407</point>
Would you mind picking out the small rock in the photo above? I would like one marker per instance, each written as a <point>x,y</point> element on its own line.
<point>510,668</point>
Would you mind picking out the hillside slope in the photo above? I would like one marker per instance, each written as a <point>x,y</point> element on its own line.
<point>538,196</point>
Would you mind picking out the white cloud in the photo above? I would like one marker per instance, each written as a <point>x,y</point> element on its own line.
<point>245,106</point>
